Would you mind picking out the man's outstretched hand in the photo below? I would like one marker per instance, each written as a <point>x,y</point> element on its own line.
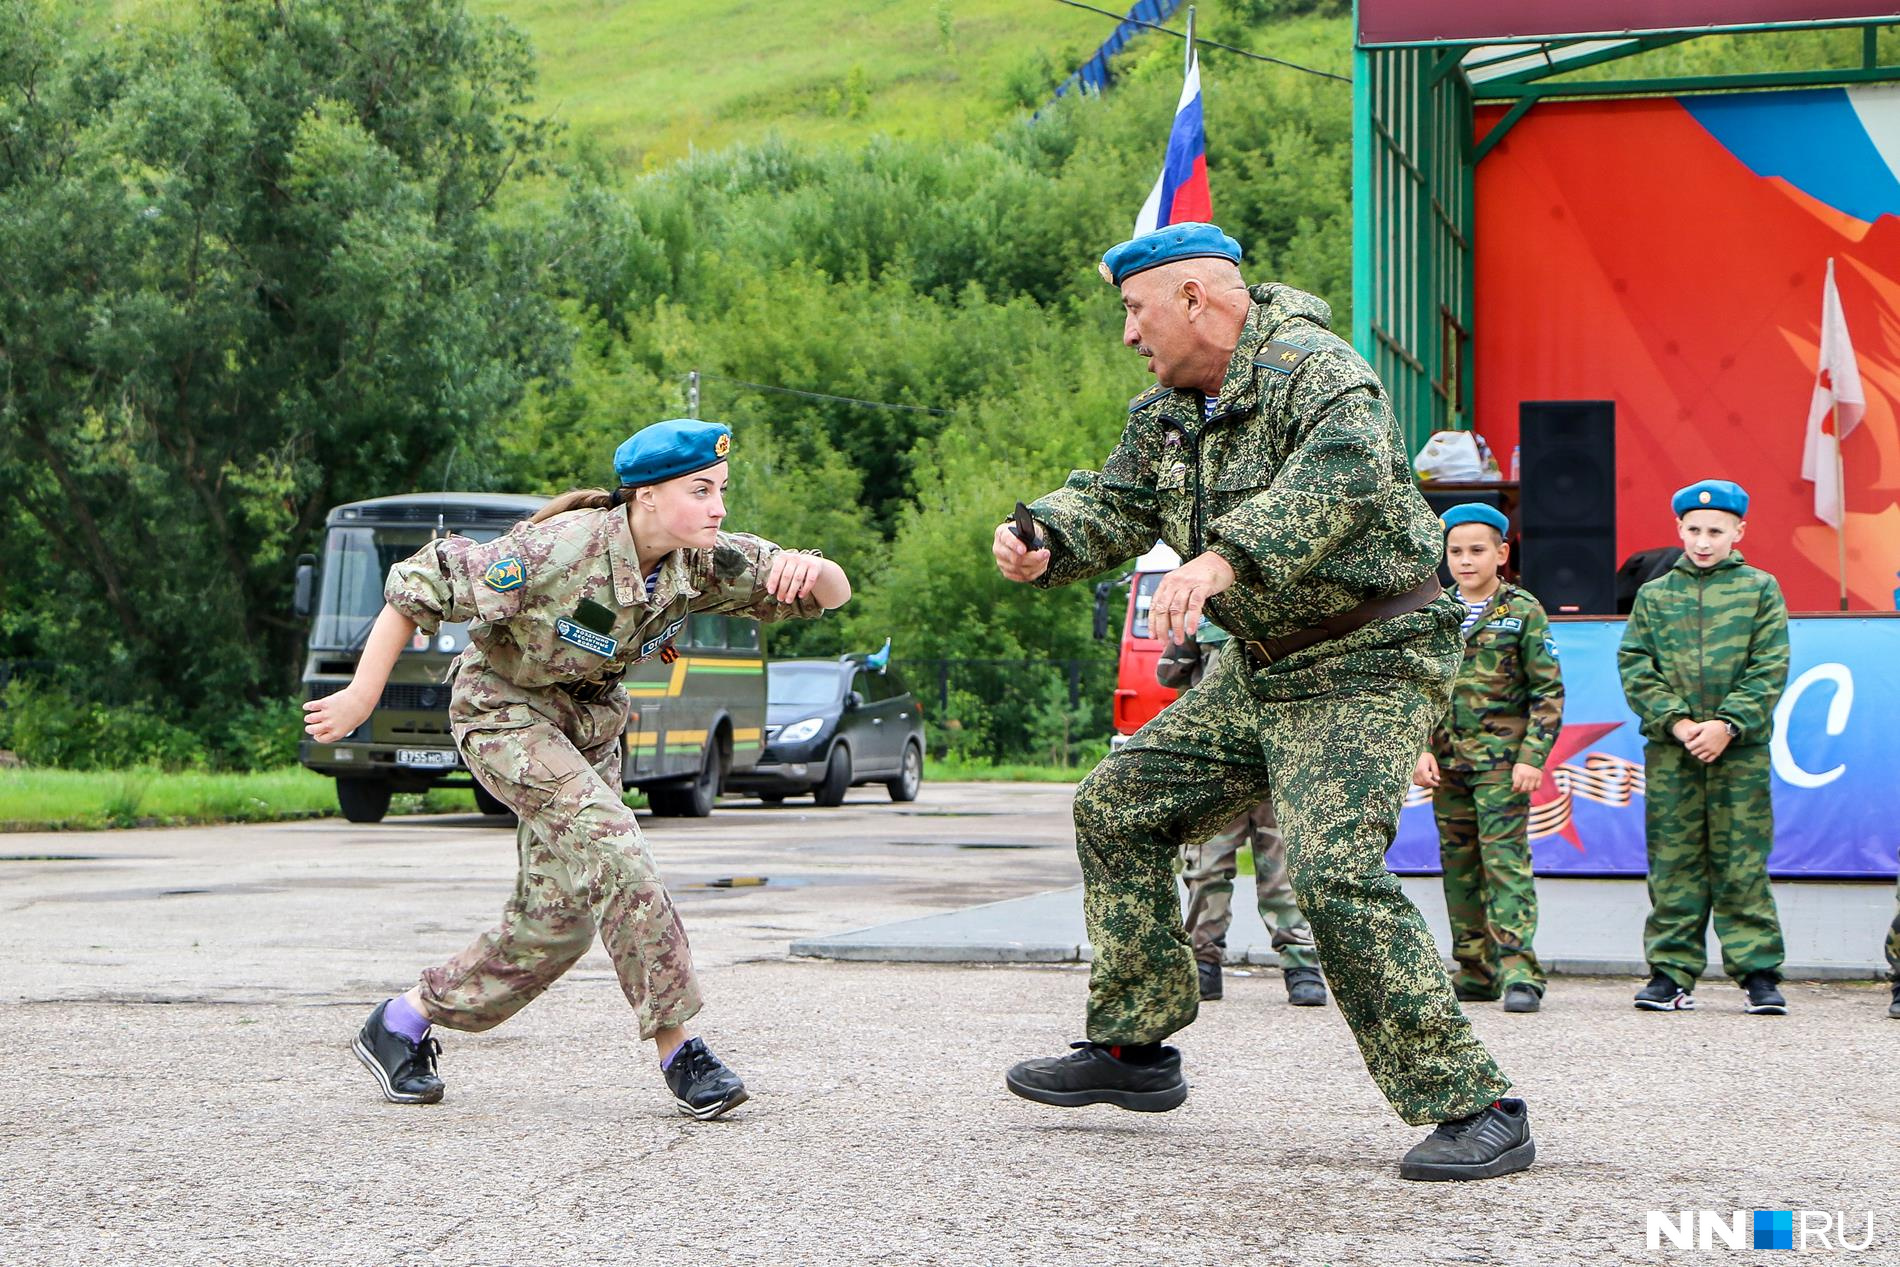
<point>1015,560</point>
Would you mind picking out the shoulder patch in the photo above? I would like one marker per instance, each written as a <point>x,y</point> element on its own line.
<point>1284,357</point>
<point>504,575</point>
<point>1148,397</point>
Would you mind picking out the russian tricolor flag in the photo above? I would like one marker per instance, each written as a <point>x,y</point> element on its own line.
<point>1181,192</point>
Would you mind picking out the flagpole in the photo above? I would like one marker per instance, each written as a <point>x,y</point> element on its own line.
<point>1840,482</point>
<point>1190,41</point>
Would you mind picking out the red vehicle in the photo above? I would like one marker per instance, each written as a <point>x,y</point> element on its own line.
<point>1137,695</point>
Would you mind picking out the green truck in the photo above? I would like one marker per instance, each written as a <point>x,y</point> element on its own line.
<point>693,723</point>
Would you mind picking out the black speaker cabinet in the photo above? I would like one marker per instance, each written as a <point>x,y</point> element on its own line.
<point>1566,511</point>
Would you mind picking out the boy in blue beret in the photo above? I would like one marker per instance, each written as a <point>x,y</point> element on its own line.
<point>1485,759</point>
<point>1703,660</point>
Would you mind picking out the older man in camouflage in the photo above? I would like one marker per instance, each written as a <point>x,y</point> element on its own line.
<point>1268,457</point>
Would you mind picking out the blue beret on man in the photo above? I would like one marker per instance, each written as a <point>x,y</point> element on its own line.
<point>1711,495</point>
<point>1477,513</point>
<point>1189,240</point>
<point>670,449</point>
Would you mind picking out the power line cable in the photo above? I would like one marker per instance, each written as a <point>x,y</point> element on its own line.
<point>847,400</point>
<point>1201,43</point>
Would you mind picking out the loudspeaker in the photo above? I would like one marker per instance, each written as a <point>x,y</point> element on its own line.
<point>1566,510</point>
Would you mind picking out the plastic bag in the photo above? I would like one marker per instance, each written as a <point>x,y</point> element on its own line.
<point>1455,457</point>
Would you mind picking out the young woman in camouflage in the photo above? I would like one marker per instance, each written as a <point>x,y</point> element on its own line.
<point>561,606</point>
<point>1486,757</point>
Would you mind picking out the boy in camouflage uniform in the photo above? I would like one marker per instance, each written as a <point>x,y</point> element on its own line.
<point>1703,660</point>
<point>562,606</point>
<point>1893,958</point>
<point>1486,758</point>
<point>1267,456</point>
<point>1209,867</point>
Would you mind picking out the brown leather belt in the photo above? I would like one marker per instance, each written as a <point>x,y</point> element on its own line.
<point>592,692</point>
<point>1266,650</point>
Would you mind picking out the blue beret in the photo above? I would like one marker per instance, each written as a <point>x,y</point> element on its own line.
<point>1711,495</point>
<point>1189,240</point>
<point>670,449</point>
<point>1476,513</point>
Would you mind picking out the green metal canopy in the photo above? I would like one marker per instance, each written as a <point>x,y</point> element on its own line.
<point>1420,70</point>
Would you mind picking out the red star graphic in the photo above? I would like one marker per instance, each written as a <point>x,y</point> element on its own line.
<point>1572,739</point>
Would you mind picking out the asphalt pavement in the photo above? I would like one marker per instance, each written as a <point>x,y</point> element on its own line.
<point>177,1008</point>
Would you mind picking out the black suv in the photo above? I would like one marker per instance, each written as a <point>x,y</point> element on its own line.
<point>832,724</point>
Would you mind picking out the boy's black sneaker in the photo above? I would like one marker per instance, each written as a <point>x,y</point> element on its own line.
<point>1496,1140</point>
<point>1522,998</point>
<point>1662,994</point>
<point>1210,981</point>
<point>702,1087</point>
<point>1764,999</point>
<point>1305,987</point>
<point>1472,994</point>
<point>1090,1074</point>
<point>404,1070</point>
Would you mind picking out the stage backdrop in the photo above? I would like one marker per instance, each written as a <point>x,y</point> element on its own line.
<point>1668,254</point>
<point>1837,802</point>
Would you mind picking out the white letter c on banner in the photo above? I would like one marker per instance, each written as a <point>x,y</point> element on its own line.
<point>1837,711</point>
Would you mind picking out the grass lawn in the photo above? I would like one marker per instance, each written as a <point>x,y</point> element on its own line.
<point>39,800</point>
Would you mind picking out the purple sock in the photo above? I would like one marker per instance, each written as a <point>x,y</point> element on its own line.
<point>400,1018</point>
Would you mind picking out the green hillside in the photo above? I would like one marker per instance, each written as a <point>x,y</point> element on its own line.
<point>646,82</point>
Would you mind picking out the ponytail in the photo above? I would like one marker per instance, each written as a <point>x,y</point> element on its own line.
<point>582,499</point>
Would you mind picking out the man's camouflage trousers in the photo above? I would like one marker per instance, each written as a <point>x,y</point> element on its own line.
<point>1334,730</point>
<point>1209,869</point>
<point>1484,844</point>
<point>1710,828</point>
<point>584,867</point>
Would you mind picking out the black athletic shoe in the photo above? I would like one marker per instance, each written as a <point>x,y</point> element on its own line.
<point>1893,1009</point>
<point>1662,994</point>
<point>1090,1075</point>
<point>404,1070</point>
<point>1472,994</point>
<point>1763,998</point>
<point>1496,1140</point>
<point>1210,981</point>
<point>702,1087</point>
<point>1305,987</point>
<point>1522,998</point>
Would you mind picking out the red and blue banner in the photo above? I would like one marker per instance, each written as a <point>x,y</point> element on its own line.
<point>1837,802</point>
<point>1180,194</point>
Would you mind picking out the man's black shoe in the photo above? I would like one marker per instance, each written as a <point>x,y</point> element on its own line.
<point>1091,1075</point>
<point>1305,987</point>
<point>1522,998</point>
<point>1472,994</point>
<point>1496,1140</point>
<point>702,1087</point>
<point>1763,998</point>
<point>404,1070</point>
<point>1210,981</point>
<point>1893,1009</point>
<point>1662,994</point>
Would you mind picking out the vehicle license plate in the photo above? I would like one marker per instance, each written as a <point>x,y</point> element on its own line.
<point>427,758</point>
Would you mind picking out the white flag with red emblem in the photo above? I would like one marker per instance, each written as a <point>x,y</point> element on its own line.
<point>1835,410</point>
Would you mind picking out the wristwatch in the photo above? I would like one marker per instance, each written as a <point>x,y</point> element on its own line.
<point>1734,731</point>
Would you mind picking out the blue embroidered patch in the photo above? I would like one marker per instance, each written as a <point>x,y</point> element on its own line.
<point>1550,647</point>
<point>504,575</point>
<point>586,639</point>
<point>649,648</point>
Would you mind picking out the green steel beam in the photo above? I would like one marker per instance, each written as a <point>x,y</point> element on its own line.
<point>1364,212</point>
<point>1752,28</point>
<point>1669,86</point>
<point>1518,110</point>
<point>1643,45</point>
<point>1870,48</point>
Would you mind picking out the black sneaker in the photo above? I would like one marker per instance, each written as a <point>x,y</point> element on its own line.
<point>1305,987</point>
<point>1662,994</point>
<point>1496,1140</point>
<point>1210,981</point>
<point>1472,994</point>
<point>1522,998</point>
<point>1090,1075</point>
<point>702,1087</point>
<point>404,1070</point>
<point>1763,998</point>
